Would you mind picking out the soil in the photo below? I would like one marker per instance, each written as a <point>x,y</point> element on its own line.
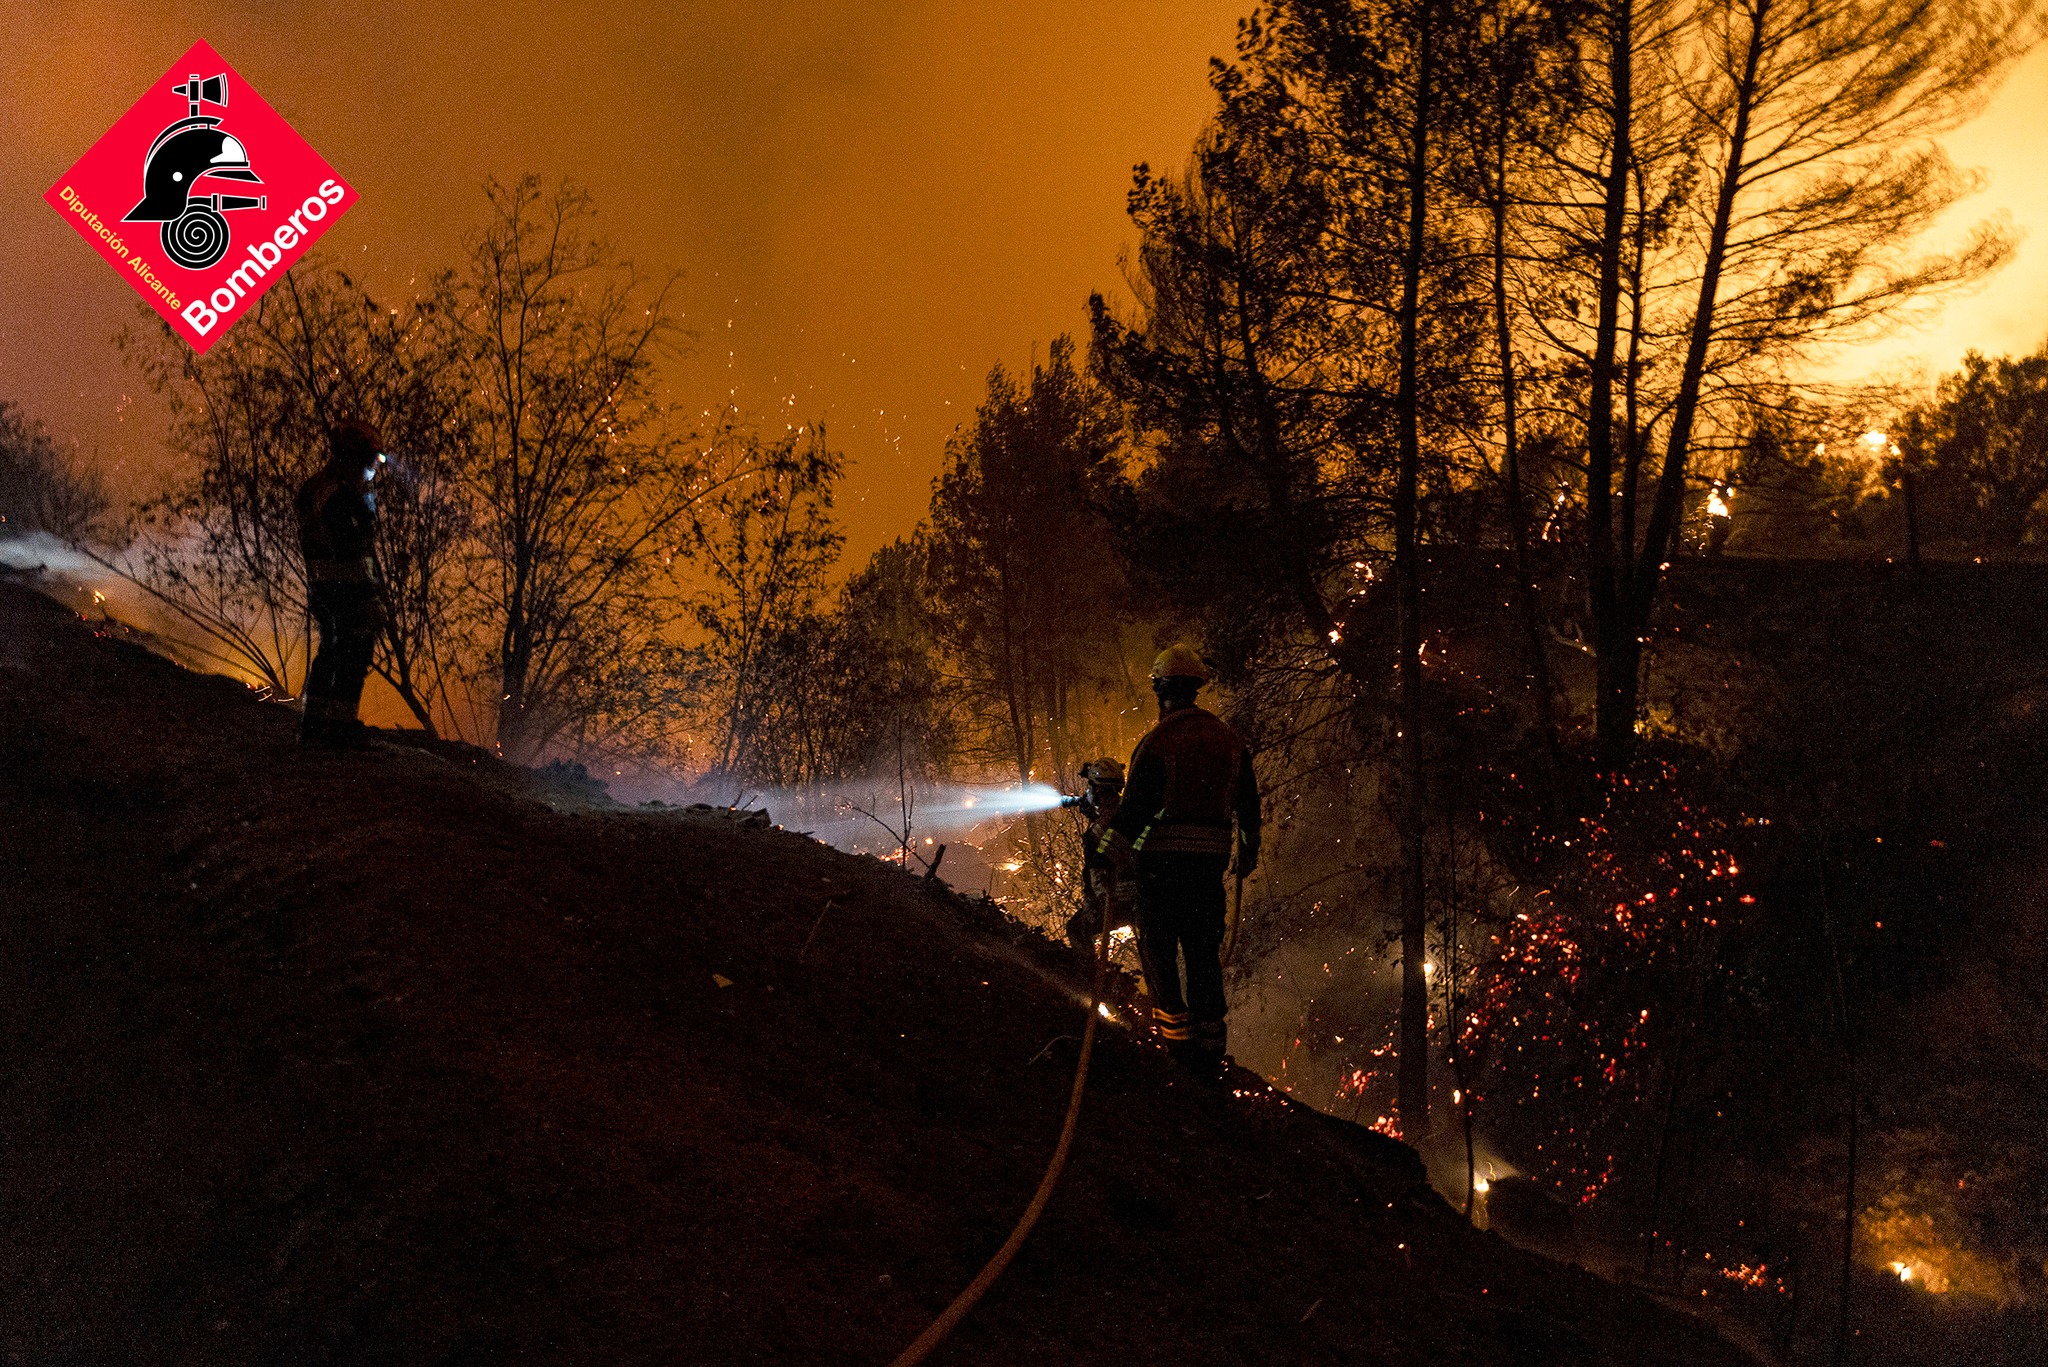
<point>399,1056</point>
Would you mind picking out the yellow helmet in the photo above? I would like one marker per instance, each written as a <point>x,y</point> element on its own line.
<point>1180,661</point>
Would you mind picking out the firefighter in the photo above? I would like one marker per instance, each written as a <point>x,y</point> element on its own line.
<point>1105,898</point>
<point>1189,778</point>
<point>337,530</point>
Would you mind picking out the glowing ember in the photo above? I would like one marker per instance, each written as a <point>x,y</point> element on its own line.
<point>1757,1277</point>
<point>1635,893</point>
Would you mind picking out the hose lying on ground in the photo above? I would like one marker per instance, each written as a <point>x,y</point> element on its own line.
<point>935,1333</point>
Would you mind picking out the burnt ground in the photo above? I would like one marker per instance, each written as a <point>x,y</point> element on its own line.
<point>379,1058</point>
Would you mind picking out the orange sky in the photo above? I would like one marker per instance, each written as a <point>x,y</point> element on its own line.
<point>872,203</point>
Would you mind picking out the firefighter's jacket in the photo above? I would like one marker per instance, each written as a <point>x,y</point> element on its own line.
<point>1098,869</point>
<point>337,527</point>
<point>1190,776</point>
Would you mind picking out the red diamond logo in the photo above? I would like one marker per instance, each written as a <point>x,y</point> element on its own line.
<point>201,196</point>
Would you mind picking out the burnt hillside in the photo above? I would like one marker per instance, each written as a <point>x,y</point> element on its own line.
<point>379,1058</point>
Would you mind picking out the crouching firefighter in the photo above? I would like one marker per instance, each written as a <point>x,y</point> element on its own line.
<point>337,510</point>
<point>1106,897</point>
<point>1190,777</point>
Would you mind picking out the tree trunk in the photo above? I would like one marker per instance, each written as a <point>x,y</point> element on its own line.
<point>515,656</point>
<point>1511,459</point>
<point>1848,1040</point>
<point>512,727</point>
<point>1617,662</point>
<point>401,683</point>
<point>1454,1011</point>
<point>1641,596</point>
<point>1414,1069</point>
<point>1614,707</point>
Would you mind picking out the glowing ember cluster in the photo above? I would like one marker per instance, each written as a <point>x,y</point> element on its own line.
<point>1755,1278</point>
<point>1598,964</point>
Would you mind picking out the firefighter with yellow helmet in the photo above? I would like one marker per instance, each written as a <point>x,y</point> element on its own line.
<point>1190,782</point>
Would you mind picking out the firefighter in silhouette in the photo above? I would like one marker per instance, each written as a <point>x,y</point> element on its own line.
<point>1106,899</point>
<point>337,532</point>
<point>195,232</point>
<point>1190,779</point>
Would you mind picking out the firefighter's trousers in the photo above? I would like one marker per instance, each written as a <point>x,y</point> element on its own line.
<point>1181,918</point>
<point>347,615</point>
<point>1101,896</point>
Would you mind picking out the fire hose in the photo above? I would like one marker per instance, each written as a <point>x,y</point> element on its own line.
<point>1236,915</point>
<point>935,1333</point>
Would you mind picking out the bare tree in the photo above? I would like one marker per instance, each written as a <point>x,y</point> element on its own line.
<point>764,544</point>
<point>580,481</point>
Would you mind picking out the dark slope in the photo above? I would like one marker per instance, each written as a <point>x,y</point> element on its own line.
<point>374,1058</point>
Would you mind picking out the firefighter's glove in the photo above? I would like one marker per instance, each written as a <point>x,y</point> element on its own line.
<point>1247,857</point>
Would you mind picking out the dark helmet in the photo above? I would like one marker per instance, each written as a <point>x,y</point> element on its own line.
<point>181,154</point>
<point>354,442</point>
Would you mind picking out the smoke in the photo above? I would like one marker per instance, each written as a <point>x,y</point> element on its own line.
<point>32,552</point>
<point>874,816</point>
<point>75,579</point>
<point>859,815</point>
<point>97,589</point>
<point>971,806</point>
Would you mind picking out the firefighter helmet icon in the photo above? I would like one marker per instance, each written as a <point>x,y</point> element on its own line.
<point>195,229</point>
